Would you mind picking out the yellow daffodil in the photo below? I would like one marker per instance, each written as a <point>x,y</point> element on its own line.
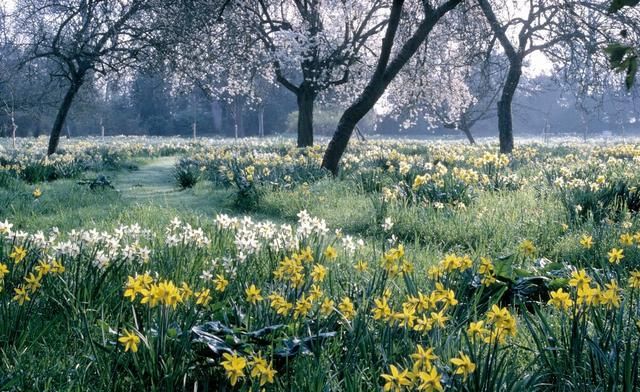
<point>579,279</point>
<point>203,297</point>
<point>21,296</point>
<point>396,380</point>
<point>234,366</point>
<point>626,239</point>
<point>220,283</point>
<point>634,279</point>
<point>262,371</point>
<point>615,255</point>
<point>430,381</point>
<point>253,294</point>
<point>586,241</point>
<point>423,358</point>
<point>347,308</point>
<point>330,253</point>
<point>19,253</point>
<point>326,308</point>
<point>527,248</point>
<point>463,365</point>
<point>560,299</point>
<point>361,266</point>
<point>318,273</point>
<point>130,341</point>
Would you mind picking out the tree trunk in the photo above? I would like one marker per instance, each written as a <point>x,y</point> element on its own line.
<point>238,119</point>
<point>505,117</point>
<point>216,116</point>
<point>14,129</point>
<point>467,133</point>
<point>385,73</point>
<point>261,121</point>
<point>306,98</point>
<point>58,124</point>
<point>347,123</point>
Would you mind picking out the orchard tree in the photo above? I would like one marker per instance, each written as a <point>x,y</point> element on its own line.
<point>84,37</point>
<point>455,77</point>
<point>26,90</point>
<point>524,28</point>
<point>310,47</point>
<point>400,43</point>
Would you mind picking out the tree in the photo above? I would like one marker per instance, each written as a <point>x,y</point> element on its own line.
<point>454,77</point>
<point>386,69</point>
<point>308,47</point>
<point>26,90</point>
<point>83,37</point>
<point>540,28</point>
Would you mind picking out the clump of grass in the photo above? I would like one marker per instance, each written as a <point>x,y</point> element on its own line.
<point>187,173</point>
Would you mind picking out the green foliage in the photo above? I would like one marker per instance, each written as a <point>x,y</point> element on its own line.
<point>617,5</point>
<point>624,59</point>
<point>187,173</point>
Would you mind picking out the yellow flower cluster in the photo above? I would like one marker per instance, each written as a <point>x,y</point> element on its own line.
<point>32,282</point>
<point>423,375</point>
<point>584,293</point>
<point>394,263</point>
<point>234,367</point>
<point>292,270</point>
<point>154,292</point>
<point>420,313</point>
<point>498,324</point>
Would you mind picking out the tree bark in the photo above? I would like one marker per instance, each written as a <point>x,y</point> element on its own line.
<point>305,98</point>
<point>385,72</point>
<point>63,111</point>
<point>14,129</point>
<point>505,116</point>
<point>467,133</point>
<point>238,118</point>
<point>261,121</point>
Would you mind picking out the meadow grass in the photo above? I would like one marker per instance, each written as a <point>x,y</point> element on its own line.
<point>410,260</point>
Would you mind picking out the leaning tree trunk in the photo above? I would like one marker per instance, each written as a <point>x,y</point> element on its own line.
<point>467,133</point>
<point>347,123</point>
<point>305,98</point>
<point>505,116</point>
<point>63,111</point>
<point>384,74</point>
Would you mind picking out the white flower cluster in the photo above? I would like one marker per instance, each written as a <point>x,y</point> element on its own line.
<point>183,234</point>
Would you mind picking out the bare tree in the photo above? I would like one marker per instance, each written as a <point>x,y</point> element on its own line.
<point>83,37</point>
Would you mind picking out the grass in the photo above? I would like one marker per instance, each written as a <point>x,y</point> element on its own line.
<point>66,336</point>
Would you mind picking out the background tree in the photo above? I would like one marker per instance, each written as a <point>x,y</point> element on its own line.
<point>83,37</point>
<point>455,77</point>
<point>308,47</point>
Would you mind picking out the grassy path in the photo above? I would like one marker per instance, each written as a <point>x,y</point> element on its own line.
<point>153,183</point>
